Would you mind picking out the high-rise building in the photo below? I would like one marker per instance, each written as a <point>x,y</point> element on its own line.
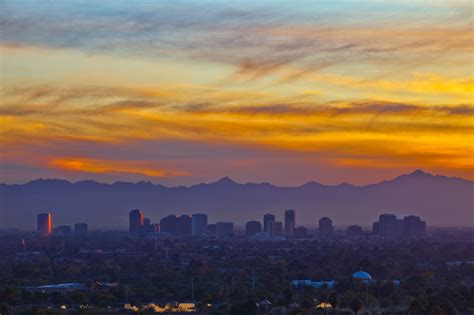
<point>354,230</point>
<point>275,228</point>
<point>252,228</point>
<point>145,229</point>
<point>63,230</point>
<point>301,232</point>
<point>169,224</point>
<point>44,224</point>
<point>388,225</point>
<point>267,218</point>
<point>81,228</point>
<point>199,223</point>
<point>413,226</point>
<point>224,229</point>
<point>399,228</point>
<point>376,227</point>
<point>290,221</point>
<point>136,218</point>
<point>325,227</point>
<point>146,221</point>
<point>211,229</point>
<point>184,225</point>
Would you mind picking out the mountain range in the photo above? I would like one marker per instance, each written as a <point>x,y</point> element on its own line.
<point>440,200</point>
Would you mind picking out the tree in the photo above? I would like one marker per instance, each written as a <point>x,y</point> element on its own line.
<point>448,308</point>
<point>287,296</point>
<point>356,305</point>
<point>416,307</point>
<point>333,300</point>
<point>249,307</point>
<point>5,309</point>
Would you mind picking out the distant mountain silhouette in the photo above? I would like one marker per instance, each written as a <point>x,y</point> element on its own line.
<point>440,200</point>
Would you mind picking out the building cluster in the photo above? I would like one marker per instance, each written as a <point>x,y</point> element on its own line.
<point>388,227</point>
<point>182,225</point>
<point>45,227</point>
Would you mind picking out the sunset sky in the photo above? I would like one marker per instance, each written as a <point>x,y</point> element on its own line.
<point>262,91</point>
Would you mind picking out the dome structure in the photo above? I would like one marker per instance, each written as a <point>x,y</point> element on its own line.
<point>362,275</point>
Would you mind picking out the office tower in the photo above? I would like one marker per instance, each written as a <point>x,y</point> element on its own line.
<point>44,224</point>
<point>146,221</point>
<point>199,223</point>
<point>169,224</point>
<point>301,232</point>
<point>376,227</point>
<point>325,227</point>
<point>399,228</point>
<point>184,225</point>
<point>252,228</point>
<point>145,229</point>
<point>211,229</point>
<point>267,218</point>
<point>389,227</point>
<point>135,221</point>
<point>224,229</point>
<point>63,230</point>
<point>354,230</point>
<point>413,226</point>
<point>80,228</point>
<point>275,228</point>
<point>290,221</point>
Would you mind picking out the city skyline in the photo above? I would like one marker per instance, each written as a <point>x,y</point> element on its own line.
<point>237,157</point>
<point>339,91</point>
<point>443,201</point>
<point>196,224</point>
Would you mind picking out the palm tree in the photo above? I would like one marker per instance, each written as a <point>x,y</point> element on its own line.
<point>356,305</point>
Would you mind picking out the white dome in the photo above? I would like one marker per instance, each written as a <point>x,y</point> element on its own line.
<point>362,275</point>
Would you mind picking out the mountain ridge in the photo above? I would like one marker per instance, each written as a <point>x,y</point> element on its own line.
<point>228,181</point>
<point>438,199</point>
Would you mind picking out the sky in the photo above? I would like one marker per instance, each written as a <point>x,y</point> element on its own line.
<point>181,92</point>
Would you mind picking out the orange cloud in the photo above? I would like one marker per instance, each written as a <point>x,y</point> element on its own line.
<point>338,132</point>
<point>80,164</point>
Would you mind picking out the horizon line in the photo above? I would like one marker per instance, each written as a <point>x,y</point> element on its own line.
<point>417,171</point>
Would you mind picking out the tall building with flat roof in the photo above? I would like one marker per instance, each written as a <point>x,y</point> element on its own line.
<point>63,230</point>
<point>169,224</point>
<point>325,227</point>
<point>136,219</point>
<point>301,232</point>
<point>199,223</point>
<point>252,228</point>
<point>413,226</point>
<point>267,218</point>
<point>81,228</point>
<point>224,228</point>
<point>44,224</point>
<point>389,226</point>
<point>275,228</point>
<point>354,230</point>
<point>184,225</point>
<point>290,222</point>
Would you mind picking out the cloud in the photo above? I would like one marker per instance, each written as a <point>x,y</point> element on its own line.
<point>86,165</point>
<point>257,40</point>
<point>392,81</point>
